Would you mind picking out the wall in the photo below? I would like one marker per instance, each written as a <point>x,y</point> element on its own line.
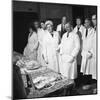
<point>55,11</point>
<point>90,10</point>
<point>25,6</point>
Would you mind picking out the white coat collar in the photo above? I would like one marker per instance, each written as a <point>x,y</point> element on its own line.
<point>81,26</point>
<point>90,31</point>
<point>70,34</point>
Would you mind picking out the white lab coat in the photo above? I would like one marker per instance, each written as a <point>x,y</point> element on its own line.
<point>88,52</point>
<point>81,32</point>
<point>69,49</point>
<point>31,47</point>
<point>41,34</point>
<point>82,28</point>
<point>58,28</point>
<point>93,69</point>
<point>50,45</point>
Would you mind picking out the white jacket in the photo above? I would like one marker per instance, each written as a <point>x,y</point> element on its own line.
<point>69,49</point>
<point>31,48</point>
<point>58,28</point>
<point>80,34</point>
<point>50,44</point>
<point>82,28</point>
<point>88,52</point>
<point>93,69</point>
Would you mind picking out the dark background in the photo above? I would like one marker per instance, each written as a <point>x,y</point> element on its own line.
<point>26,12</point>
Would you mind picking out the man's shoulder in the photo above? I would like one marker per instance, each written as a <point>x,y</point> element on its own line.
<point>82,26</point>
<point>55,33</point>
<point>59,25</point>
<point>75,27</point>
<point>92,29</point>
<point>74,34</point>
<point>64,34</point>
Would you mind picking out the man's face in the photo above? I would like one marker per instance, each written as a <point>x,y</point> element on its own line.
<point>36,24</point>
<point>49,28</point>
<point>43,25</point>
<point>78,21</point>
<point>68,27</point>
<point>64,20</point>
<point>94,21</point>
<point>87,23</point>
<point>30,30</point>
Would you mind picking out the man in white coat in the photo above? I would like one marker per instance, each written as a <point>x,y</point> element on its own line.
<point>94,65</point>
<point>87,48</point>
<point>79,29</point>
<point>50,44</point>
<point>69,48</point>
<point>61,27</point>
<point>88,65</point>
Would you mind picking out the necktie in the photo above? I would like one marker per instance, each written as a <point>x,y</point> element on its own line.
<point>95,28</point>
<point>86,33</point>
<point>67,35</point>
<point>63,27</point>
<point>80,35</point>
<point>78,28</point>
<point>62,30</point>
<point>52,35</point>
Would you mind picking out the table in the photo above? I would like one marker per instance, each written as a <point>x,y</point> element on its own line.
<point>63,84</point>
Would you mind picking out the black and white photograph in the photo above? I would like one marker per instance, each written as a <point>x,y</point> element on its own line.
<point>54,49</point>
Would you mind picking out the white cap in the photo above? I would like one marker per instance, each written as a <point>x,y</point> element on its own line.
<point>49,22</point>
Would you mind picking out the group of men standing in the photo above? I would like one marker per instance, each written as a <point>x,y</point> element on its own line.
<point>62,50</point>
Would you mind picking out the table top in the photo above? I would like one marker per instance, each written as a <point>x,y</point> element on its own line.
<point>44,71</point>
<point>34,93</point>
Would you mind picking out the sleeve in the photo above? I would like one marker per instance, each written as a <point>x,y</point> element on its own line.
<point>58,28</point>
<point>24,52</point>
<point>61,44</point>
<point>77,46</point>
<point>44,52</point>
<point>25,49</point>
<point>40,36</point>
<point>57,37</point>
<point>36,43</point>
<point>93,46</point>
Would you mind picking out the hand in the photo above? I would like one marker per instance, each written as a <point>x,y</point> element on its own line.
<point>58,49</point>
<point>71,59</point>
<point>89,55</point>
<point>68,58</point>
<point>46,61</point>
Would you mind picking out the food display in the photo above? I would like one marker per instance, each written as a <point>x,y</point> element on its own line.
<point>27,63</point>
<point>45,81</point>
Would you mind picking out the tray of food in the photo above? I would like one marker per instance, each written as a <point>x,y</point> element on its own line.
<point>28,63</point>
<point>45,82</point>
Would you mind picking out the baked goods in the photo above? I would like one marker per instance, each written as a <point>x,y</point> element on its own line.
<point>45,81</point>
<point>27,63</point>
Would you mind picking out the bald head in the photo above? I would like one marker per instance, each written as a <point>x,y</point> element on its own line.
<point>94,20</point>
<point>64,20</point>
<point>68,27</point>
